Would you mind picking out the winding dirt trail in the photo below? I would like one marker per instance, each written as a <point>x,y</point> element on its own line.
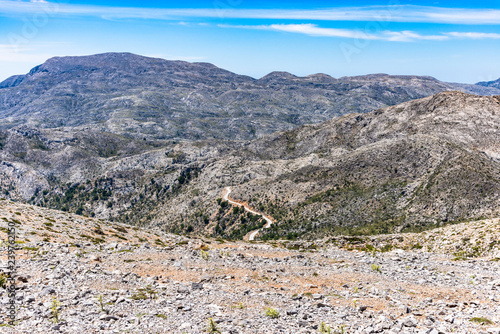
<point>252,234</point>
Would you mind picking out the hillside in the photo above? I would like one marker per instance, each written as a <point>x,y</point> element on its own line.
<point>155,99</point>
<point>417,165</point>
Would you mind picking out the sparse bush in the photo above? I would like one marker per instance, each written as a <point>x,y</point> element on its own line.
<point>272,313</point>
<point>376,267</point>
<point>387,248</point>
<point>54,309</point>
<point>145,293</point>
<point>239,306</point>
<point>159,242</point>
<point>212,326</point>
<point>204,255</point>
<point>139,295</point>
<point>101,304</point>
<point>325,329</point>
<point>120,229</point>
<point>3,280</point>
<point>417,246</point>
<point>481,321</point>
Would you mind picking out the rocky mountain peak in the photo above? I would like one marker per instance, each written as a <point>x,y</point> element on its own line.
<point>123,68</point>
<point>320,77</point>
<point>277,76</point>
<point>454,102</point>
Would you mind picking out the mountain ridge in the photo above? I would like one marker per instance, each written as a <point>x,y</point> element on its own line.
<point>153,98</point>
<point>106,59</point>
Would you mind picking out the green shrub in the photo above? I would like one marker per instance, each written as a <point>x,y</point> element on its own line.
<point>325,329</point>
<point>3,280</point>
<point>272,313</point>
<point>481,321</point>
<point>212,326</point>
<point>54,309</point>
<point>204,255</point>
<point>145,293</point>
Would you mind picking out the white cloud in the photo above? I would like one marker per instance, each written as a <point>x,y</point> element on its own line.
<point>307,29</point>
<point>474,35</point>
<point>386,35</point>
<point>461,16</point>
<point>390,13</point>
<point>32,52</point>
<point>408,36</point>
<point>314,30</point>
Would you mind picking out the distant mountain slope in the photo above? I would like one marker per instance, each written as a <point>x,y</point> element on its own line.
<point>149,98</point>
<point>407,167</point>
<point>491,84</point>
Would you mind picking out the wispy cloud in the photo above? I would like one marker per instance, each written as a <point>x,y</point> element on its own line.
<point>409,36</point>
<point>403,13</point>
<point>391,36</point>
<point>307,29</point>
<point>474,35</point>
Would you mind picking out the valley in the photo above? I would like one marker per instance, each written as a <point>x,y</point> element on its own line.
<point>417,165</point>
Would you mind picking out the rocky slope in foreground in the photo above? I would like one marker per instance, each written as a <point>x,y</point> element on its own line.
<point>154,99</point>
<point>111,277</point>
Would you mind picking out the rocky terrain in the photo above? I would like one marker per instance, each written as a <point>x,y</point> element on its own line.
<point>86,275</point>
<point>152,142</point>
<point>415,164</point>
<point>163,171</point>
<point>410,167</point>
<point>155,99</point>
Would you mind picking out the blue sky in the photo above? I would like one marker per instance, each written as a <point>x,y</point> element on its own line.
<point>450,40</point>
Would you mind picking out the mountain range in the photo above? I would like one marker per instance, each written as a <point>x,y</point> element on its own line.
<point>156,99</point>
<point>155,142</point>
